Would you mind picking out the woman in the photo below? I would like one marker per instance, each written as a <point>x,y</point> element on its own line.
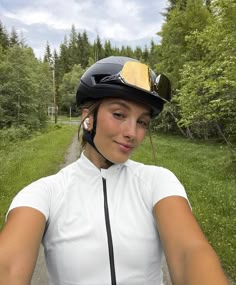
<point>105,219</point>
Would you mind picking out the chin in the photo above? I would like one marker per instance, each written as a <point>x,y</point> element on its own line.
<point>117,160</point>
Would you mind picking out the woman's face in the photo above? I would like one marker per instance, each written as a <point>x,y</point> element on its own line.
<point>121,127</point>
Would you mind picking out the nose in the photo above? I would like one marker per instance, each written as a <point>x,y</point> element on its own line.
<point>130,129</point>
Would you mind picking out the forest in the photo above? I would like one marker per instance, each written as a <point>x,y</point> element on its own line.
<point>197,52</point>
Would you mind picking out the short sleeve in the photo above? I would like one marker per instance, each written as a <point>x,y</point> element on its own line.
<point>37,195</point>
<point>165,184</point>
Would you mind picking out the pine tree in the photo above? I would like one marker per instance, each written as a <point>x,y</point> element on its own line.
<point>145,54</point>
<point>107,48</point>
<point>4,38</point>
<point>73,50</point>
<point>48,55</point>
<point>14,39</point>
<point>98,49</point>
<point>138,53</point>
<point>152,59</point>
<point>86,50</point>
<point>64,57</point>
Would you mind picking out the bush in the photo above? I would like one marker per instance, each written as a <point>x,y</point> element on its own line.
<point>13,134</point>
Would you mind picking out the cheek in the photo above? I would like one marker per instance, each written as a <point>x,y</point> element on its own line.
<point>108,126</point>
<point>141,134</point>
<point>104,130</point>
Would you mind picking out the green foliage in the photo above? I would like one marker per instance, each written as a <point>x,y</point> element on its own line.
<point>14,39</point>
<point>68,88</point>
<point>24,89</point>
<point>208,86</point>
<point>98,49</point>
<point>107,49</point>
<point>84,47</point>
<point>4,38</point>
<point>174,50</point>
<point>28,160</point>
<point>198,54</point>
<point>209,177</point>
<point>13,134</point>
<point>48,55</point>
<point>182,19</point>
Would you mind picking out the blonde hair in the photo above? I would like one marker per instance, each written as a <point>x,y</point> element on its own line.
<point>92,107</point>
<point>152,146</point>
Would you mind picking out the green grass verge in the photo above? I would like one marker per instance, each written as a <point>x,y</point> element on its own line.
<point>65,118</point>
<point>209,177</point>
<point>28,160</point>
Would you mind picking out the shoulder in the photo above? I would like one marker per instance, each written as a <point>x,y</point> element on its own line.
<point>151,171</point>
<point>59,179</point>
<point>160,182</point>
<point>45,193</point>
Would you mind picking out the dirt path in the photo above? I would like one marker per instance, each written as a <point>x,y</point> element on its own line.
<point>40,272</point>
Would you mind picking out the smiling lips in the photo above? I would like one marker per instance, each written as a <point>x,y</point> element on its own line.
<point>125,147</point>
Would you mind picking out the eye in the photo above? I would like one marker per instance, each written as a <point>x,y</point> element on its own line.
<point>143,123</point>
<point>118,115</point>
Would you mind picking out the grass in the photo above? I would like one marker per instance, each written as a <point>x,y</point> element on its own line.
<point>65,118</point>
<point>28,160</point>
<point>209,177</point>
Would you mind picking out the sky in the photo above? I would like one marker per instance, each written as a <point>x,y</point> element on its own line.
<point>123,22</point>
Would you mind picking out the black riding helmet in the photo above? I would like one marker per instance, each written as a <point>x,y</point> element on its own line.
<point>126,78</point>
<point>104,79</point>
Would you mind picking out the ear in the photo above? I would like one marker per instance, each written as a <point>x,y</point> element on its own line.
<point>87,120</point>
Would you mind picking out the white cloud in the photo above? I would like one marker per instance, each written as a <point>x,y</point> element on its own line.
<point>29,17</point>
<point>122,10</point>
<point>116,20</point>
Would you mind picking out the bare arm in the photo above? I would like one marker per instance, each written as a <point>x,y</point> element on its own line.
<point>190,258</point>
<point>19,245</point>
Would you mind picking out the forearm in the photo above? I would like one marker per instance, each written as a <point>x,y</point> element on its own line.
<point>13,270</point>
<point>200,266</point>
<point>191,259</point>
<point>10,276</point>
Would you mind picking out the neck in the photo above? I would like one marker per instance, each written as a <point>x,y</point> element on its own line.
<point>96,158</point>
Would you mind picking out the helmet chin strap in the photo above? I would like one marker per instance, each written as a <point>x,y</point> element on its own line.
<point>89,137</point>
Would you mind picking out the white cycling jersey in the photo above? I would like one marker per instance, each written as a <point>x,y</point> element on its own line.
<point>100,227</point>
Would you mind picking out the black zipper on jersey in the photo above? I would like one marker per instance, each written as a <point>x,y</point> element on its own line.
<point>109,236</point>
